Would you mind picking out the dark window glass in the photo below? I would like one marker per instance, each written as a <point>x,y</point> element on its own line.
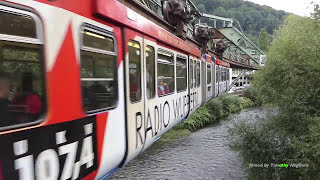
<point>17,25</point>
<point>165,73</point>
<point>181,77</point>
<point>92,39</point>
<point>151,74</point>
<point>98,76</point>
<point>208,74</point>
<point>22,95</point>
<point>191,74</point>
<point>198,74</point>
<point>134,70</point>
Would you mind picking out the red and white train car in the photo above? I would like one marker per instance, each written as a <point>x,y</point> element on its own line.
<point>86,86</point>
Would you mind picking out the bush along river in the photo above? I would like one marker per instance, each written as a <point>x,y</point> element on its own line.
<point>203,154</point>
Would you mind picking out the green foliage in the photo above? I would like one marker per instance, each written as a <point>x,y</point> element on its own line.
<point>246,102</point>
<point>264,40</point>
<point>316,13</point>
<point>252,94</point>
<point>254,39</point>
<point>289,81</point>
<point>215,107</point>
<point>214,110</point>
<point>252,17</point>
<point>230,104</point>
<point>290,77</point>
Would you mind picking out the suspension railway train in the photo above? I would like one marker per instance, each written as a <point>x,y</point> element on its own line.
<point>106,83</point>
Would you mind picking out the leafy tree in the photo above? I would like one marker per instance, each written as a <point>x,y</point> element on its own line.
<point>252,17</point>
<point>264,41</point>
<point>316,13</point>
<point>201,8</point>
<point>290,80</point>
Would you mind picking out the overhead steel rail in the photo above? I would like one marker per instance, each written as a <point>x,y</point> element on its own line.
<point>240,51</point>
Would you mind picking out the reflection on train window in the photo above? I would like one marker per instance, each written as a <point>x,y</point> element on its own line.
<point>134,70</point>
<point>181,64</point>
<point>151,74</point>
<point>208,74</point>
<point>198,74</point>
<point>165,73</point>
<point>191,73</point>
<point>17,25</point>
<point>98,71</point>
<point>94,40</point>
<point>22,95</point>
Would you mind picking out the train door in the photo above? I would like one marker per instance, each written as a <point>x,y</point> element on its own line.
<point>213,78</point>
<point>203,80</point>
<point>209,87</point>
<point>151,111</point>
<point>197,89</point>
<point>218,79</point>
<point>192,85</point>
<point>228,78</point>
<point>134,93</point>
<point>224,79</point>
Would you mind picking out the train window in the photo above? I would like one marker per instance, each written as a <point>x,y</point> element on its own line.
<point>151,74</point>
<point>208,74</point>
<point>22,94</point>
<point>165,73</point>
<point>191,73</point>
<point>181,78</point>
<point>198,74</point>
<point>134,49</point>
<point>98,70</point>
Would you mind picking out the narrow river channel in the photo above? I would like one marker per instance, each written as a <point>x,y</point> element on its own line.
<point>204,154</point>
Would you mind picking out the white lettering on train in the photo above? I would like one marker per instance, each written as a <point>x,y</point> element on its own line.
<point>47,163</point>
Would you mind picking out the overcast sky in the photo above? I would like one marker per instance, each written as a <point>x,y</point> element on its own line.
<point>299,7</point>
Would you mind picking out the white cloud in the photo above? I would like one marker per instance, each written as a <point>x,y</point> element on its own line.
<point>299,7</point>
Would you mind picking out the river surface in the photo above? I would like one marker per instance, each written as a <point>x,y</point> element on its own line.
<point>204,154</point>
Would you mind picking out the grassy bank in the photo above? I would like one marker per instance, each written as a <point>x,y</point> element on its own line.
<point>212,112</point>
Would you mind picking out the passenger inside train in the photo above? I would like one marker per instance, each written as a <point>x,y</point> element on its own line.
<point>26,101</point>
<point>6,114</point>
<point>22,106</point>
<point>163,88</point>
